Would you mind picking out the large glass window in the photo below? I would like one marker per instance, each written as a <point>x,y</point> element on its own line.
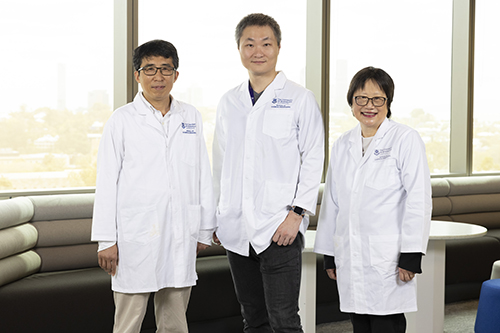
<point>486,142</point>
<point>411,41</point>
<point>57,66</point>
<point>209,62</point>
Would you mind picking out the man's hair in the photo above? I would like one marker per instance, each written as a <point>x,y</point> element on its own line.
<point>155,48</point>
<point>260,20</point>
<point>377,75</point>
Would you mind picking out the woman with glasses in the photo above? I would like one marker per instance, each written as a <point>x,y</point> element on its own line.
<point>375,214</point>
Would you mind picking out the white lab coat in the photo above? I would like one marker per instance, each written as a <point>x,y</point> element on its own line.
<point>374,208</point>
<point>153,195</point>
<point>266,157</point>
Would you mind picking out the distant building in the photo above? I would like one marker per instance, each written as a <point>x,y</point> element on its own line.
<point>46,142</point>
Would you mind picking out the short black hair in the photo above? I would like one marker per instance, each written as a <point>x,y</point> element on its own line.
<point>260,20</point>
<point>155,48</point>
<point>377,75</point>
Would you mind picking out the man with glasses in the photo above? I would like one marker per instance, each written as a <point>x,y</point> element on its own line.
<point>268,158</point>
<point>154,206</point>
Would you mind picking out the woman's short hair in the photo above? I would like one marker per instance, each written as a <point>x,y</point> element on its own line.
<point>377,75</point>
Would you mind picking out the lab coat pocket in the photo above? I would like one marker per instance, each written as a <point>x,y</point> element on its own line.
<point>139,224</point>
<point>277,196</point>
<point>193,219</point>
<point>384,253</point>
<point>383,174</point>
<point>277,123</point>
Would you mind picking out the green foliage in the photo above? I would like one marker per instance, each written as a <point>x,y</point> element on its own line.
<point>75,148</point>
<point>5,184</point>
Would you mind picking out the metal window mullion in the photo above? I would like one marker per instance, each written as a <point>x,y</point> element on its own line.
<point>318,59</point>
<point>125,40</point>
<point>461,88</point>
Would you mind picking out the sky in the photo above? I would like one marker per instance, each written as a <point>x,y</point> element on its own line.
<point>38,37</point>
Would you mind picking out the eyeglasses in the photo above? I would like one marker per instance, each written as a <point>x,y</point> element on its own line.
<point>376,101</point>
<point>152,70</point>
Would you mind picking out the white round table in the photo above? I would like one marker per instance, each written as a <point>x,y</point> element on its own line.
<point>307,297</point>
<point>431,283</point>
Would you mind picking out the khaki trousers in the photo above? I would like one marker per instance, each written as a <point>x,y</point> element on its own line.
<point>170,310</point>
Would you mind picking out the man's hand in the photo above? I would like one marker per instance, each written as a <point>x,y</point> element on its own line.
<point>108,259</point>
<point>215,239</point>
<point>405,275</point>
<point>332,273</point>
<point>288,229</point>
<point>201,247</point>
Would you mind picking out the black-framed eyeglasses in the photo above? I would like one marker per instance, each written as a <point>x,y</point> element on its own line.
<point>376,101</point>
<point>152,70</point>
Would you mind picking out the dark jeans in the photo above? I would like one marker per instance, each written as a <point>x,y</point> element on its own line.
<point>395,323</point>
<point>267,286</point>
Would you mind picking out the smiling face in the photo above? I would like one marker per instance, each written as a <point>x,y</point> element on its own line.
<point>370,117</point>
<point>259,50</point>
<point>156,89</point>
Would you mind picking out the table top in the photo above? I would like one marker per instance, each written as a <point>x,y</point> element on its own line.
<point>442,230</point>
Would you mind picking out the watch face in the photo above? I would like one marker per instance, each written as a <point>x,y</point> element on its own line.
<point>298,210</point>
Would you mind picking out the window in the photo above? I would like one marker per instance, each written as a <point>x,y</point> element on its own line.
<point>486,142</point>
<point>413,45</point>
<point>57,61</point>
<point>209,62</point>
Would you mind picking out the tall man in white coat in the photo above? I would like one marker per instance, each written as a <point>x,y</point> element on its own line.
<point>267,160</point>
<point>154,206</point>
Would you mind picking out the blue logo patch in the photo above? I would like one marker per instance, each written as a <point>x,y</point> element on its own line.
<point>281,103</point>
<point>189,128</point>
<point>382,154</point>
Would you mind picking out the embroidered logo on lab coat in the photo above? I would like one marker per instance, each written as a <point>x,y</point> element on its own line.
<point>281,103</point>
<point>189,128</point>
<point>382,154</point>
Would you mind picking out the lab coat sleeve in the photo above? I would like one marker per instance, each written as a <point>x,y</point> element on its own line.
<point>311,146</point>
<point>417,183</point>
<point>218,149</point>
<point>325,231</point>
<point>206,186</point>
<point>109,163</point>
<point>205,237</point>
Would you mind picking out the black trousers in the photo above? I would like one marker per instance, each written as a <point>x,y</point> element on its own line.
<point>267,286</point>
<point>395,323</point>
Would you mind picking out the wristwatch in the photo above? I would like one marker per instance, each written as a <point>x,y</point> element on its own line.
<point>299,210</point>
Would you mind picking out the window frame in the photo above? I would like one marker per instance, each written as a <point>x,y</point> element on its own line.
<point>317,78</point>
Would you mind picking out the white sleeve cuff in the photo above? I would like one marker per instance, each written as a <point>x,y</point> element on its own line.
<point>105,245</point>
<point>205,236</point>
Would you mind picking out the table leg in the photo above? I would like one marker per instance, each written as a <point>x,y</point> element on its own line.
<point>307,297</point>
<point>430,292</point>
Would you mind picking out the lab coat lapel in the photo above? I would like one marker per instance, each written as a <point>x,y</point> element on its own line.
<point>355,149</point>
<point>177,118</point>
<point>244,96</point>
<point>271,91</point>
<point>152,121</point>
<point>144,111</point>
<point>382,130</point>
<point>268,95</point>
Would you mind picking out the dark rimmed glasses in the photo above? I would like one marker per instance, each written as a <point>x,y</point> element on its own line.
<point>152,70</point>
<point>376,101</point>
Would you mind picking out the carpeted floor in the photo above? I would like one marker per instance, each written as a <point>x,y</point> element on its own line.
<point>459,318</point>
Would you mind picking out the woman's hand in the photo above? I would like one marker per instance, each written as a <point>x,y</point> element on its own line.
<point>332,273</point>
<point>405,275</point>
